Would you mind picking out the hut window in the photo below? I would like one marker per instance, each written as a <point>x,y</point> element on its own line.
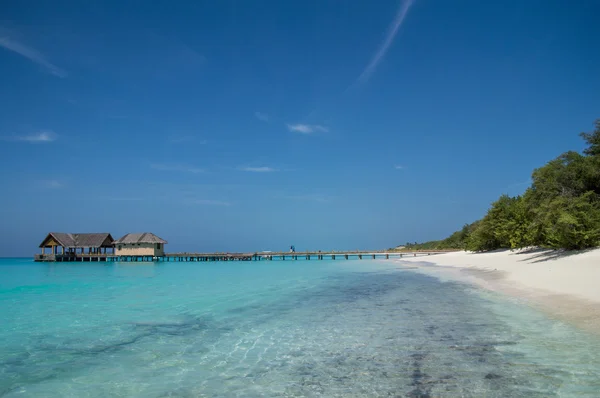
<point>158,246</point>
<point>120,247</point>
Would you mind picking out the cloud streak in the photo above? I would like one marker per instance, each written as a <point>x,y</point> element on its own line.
<point>387,42</point>
<point>33,55</point>
<point>398,167</point>
<point>177,167</point>
<point>42,136</point>
<point>52,184</point>
<point>307,128</point>
<point>263,169</point>
<point>261,116</point>
<point>36,138</point>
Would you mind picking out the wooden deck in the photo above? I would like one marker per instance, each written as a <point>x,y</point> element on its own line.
<point>256,256</point>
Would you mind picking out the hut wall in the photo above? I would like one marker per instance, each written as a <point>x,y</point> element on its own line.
<point>139,249</point>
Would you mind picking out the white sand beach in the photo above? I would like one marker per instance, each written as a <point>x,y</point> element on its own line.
<point>563,284</point>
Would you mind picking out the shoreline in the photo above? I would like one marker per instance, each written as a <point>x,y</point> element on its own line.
<point>564,285</point>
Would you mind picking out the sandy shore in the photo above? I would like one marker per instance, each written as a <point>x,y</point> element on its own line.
<point>565,285</point>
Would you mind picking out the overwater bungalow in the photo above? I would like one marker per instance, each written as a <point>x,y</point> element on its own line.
<point>63,246</point>
<point>140,244</point>
<point>60,246</point>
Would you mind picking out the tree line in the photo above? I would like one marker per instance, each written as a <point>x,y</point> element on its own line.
<point>560,210</point>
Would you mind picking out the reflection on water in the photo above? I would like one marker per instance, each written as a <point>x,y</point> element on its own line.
<point>272,329</point>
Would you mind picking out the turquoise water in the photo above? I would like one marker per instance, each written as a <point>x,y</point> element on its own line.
<point>276,328</point>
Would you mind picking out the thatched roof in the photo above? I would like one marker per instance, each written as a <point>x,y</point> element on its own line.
<point>68,240</point>
<point>143,237</point>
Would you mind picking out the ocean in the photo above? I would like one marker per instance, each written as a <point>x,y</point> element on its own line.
<point>343,328</point>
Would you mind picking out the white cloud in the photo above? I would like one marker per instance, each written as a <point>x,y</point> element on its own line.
<point>41,136</point>
<point>263,169</point>
<point>31,54</point>
<point>307,128</point>
<point>262,116</point>
<point>387,42</point>
<point>300,128</point>
<point>177,167</point>
<point>398,167</point>
<point>52,184</point>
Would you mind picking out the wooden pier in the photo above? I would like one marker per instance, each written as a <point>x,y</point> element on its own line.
<point>209,257</point>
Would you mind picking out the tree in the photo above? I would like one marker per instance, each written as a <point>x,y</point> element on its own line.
<point>573,223</point>
<point>593,140</point>
<point>518,224</point>
<point>482,237</point>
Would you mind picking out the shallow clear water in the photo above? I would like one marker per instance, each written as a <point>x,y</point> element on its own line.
<point>280,328</point>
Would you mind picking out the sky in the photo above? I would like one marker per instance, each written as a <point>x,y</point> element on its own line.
<point>255,125</point>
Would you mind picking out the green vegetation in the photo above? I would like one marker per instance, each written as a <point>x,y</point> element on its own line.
<point>561,209</point>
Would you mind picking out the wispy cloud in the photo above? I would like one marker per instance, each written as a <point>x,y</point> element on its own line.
<point>32,54</point>
<point>42,136</point>
<point>387,42</point>
<point>399,167</point>
<point>261,116</point>
<point>263,169</point>
<point>207,202</point>
<point>51,184</point>
<point>307,128</point>
<point>177,167</point>
<point>39,137</point>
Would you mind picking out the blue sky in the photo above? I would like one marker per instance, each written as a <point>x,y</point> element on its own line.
<point>254,125</point>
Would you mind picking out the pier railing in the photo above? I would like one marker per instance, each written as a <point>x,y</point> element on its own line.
<point>254,256</point>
